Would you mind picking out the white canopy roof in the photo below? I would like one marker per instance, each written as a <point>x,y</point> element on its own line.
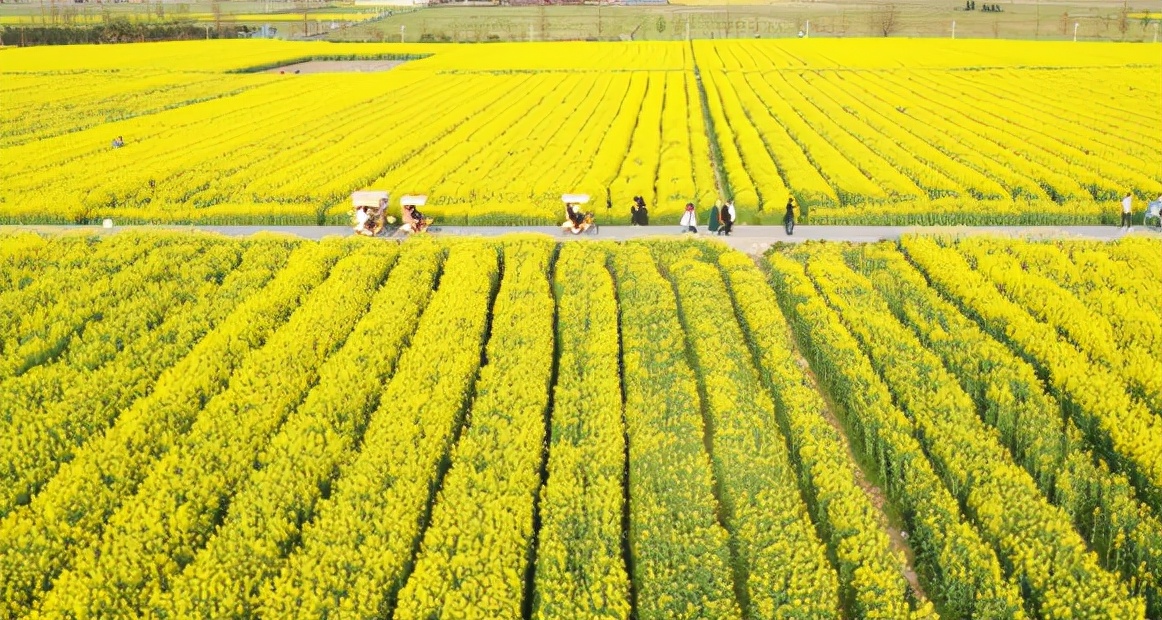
<point>368,198</point>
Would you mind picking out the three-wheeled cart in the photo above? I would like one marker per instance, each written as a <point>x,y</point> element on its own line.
<point>370,212</point>
<point>584,221</point>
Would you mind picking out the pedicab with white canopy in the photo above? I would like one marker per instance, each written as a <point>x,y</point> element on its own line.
<point>413,220</point>
<point>576,221</point>
<point>370,212</point>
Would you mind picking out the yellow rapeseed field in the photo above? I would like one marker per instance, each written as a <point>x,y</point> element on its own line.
<point>874,131</point>
<point>198,426</point>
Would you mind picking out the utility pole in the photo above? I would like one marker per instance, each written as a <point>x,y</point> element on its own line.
<point>954,29</point>
<point>401,29</point>
<point>1075,25</point>
<point>1038,35</point>
<point>598,19</point>
<point>807,31</point>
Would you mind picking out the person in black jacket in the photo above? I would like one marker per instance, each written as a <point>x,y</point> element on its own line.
<point>726,217</point>
<point>789,217</point>
<point>639,214</point>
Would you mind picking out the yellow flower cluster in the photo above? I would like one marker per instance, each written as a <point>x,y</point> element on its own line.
<point>681,555</point>
<point>41,540</point>
<point>1067,467</point>
<point>784,566</point>
<point>496,134</point>
<point>580,571</point>
<point>476,550</point>
<point>1099,400</point>
<point>355,553</point>
<point>176,506</point>
<point>971,582</point>
<point>248,548</point>
<point>869,571</point>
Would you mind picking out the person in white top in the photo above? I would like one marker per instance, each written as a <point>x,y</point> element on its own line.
<point>361,218</point>
<point>689,221</point>
<point>1127,205</point>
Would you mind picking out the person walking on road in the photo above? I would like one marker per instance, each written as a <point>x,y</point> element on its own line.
<point>789,216</point>
<point>689,221</point>
<point>727,217</point>
<point>1127,209</point>
<point>639,214</point>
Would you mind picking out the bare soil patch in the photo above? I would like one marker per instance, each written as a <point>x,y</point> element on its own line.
<point>338,66</point>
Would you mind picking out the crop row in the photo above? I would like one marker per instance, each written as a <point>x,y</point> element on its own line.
<point>779,559</point>
<point>155,314</point>
<point>1099,403</point>
<point>681,566</point>
<point>1031,536</point>
<point>177,505</point>
<point>869,570</point>
<point>1009,398</point>
<point>580,568</point>
<point>1048,302</point>
<point>298,466</point>
<point>964,572</point>
<point>83,100</point>
<point>39,541</point>
<point>356,552</point>
<point>477,549</point>
<point>1098,289</point>
<point>44,316</point>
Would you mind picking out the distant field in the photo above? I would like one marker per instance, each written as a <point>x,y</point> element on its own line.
<point>876,131</point>
<point>1023,19</point>
<point>1019,19</point>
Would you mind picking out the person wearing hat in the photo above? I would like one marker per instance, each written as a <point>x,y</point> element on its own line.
<point>689,221</point>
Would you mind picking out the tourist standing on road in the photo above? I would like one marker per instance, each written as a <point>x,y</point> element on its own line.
<point>639,214</point>
<point>789,216</point>
<point>1127,207</point>
<point>689,221</point>
<point>727,217</point>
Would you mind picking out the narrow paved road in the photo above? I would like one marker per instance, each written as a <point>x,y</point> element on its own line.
<point>754,239</point>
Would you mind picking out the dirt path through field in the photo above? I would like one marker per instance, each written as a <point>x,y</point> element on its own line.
<point>339,66</point>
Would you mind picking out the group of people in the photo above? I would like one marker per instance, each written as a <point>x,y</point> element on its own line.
<point>1153,210</point>
<point>370,221</point>
<point>727,216</point>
